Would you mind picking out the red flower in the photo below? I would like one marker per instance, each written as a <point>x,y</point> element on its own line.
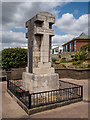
<point>16,88</point>
<point>20,90</point>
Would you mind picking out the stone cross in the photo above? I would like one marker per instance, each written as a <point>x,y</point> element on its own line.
<point>39,42</point>
<point>40,76</point>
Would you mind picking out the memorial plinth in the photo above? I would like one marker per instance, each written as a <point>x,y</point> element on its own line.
<point>40,76</point>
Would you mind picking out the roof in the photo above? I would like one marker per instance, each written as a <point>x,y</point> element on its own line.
<point>81,36</point>
<point>53,47</point>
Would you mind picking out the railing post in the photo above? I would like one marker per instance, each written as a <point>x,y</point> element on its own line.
<point>81,91</point>
<point>8,84</point>
<point>59,84</point>
<point>29,100</point>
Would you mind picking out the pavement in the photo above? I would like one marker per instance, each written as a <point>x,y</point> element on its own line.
<point>10,109</point>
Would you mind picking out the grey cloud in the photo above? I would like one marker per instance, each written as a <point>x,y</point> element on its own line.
<point>8,10</point>
<point>14,15</point>
<point>11,37</point>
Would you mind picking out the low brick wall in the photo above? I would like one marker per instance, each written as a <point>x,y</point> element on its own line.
<point>73,73</point>
<point>14,74</point>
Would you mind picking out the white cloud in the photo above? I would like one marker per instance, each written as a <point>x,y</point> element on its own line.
<point>61,39</point>
<point>13,39</point>
<point>67,23</point>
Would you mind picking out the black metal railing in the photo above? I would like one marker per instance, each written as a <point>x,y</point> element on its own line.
<point>67,91</point>
<point>19,92</point>
<point>55,96</point>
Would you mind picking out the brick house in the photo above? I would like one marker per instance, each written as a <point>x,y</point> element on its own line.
<point>76,43</point>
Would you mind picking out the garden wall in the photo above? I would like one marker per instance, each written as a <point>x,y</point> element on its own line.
<point>73,73</point>
<point>14,74</point>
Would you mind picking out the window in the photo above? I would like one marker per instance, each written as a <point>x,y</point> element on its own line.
<point>75,45</point>
<point>70,47</point>
<point>57,50</point>
<point>63,48</point>
<point>52,51</point>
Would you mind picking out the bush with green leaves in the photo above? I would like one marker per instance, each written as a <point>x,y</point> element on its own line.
<point>82,54</point>
<point>76,62</point>
<point>13,58</point>
<point>54,59</point>
<point>85,47</point>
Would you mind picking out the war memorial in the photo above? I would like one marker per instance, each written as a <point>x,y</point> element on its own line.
<point>40,88</point>
<point>40,76</point>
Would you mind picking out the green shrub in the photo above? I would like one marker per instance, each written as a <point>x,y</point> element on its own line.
<point>88,66</point>
<point>13,58</point>
<point>85,47</point>
<point>63,60</point>
<point>76,62</point>
<point>73,60</point>
<point>88,58</point>
<point>81,55</point>
<point>82,66</point>
<point>59,56</point>
<point>54,59</point>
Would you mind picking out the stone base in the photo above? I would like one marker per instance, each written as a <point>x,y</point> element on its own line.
<point>44,65</point>
<point>44,70</point>
<point>40,82</point>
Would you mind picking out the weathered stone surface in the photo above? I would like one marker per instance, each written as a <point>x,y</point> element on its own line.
<point>39,39</point>
<point>46,65</point>
<point>44,70</point>
<point>40,76</point>
<point>40,82</point>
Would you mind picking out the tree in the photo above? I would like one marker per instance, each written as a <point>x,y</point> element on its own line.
<point>13,58</point>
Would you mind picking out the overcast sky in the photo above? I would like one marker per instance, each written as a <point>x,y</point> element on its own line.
<point>71,20</point>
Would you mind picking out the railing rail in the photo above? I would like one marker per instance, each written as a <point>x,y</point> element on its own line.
<point>69,83</point>
<point>67,91</point>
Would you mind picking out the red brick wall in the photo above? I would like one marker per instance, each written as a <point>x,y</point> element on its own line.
<point>80,43</point>
<point>65,48</point>
<point>72,45</point>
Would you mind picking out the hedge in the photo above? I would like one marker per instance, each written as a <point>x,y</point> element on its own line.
<point>13,58</point>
